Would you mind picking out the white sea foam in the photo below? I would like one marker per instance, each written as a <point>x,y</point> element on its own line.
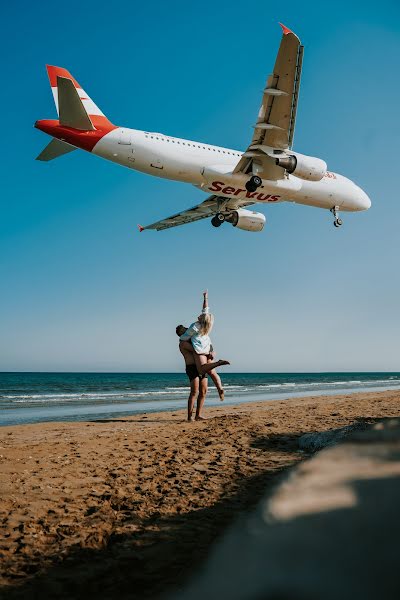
<point>176,391</point>
<point>176,388</point>
<point>24,398</point>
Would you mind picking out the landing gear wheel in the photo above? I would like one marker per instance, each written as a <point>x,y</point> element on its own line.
<point>217,220</point>
<point>253,183</point>
<point>338,222</point>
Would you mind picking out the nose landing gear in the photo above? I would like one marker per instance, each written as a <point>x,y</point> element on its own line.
<point>253,183</point>
<point>338,221</point>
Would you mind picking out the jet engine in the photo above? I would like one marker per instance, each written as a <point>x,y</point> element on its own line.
<point>246,219</point>
<point>304,167</point>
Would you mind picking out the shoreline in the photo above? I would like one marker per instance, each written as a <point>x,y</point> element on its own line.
<point>121,410</point>
<point>115,505</point>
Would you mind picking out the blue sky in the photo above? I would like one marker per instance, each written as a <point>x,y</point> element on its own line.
<point>81,289</point>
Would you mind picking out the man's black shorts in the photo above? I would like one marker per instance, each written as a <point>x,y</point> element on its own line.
<point>192,372</point>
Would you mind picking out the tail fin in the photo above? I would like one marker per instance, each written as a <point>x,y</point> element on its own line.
<point>72,103</point>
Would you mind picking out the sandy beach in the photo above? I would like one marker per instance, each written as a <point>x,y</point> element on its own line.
<point>132,506</point>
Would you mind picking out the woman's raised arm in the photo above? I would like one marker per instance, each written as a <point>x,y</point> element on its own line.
<point>206,309</point>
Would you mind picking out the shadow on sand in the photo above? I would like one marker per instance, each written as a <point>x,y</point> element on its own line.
<point>135,565</point>
<point>159,555</point>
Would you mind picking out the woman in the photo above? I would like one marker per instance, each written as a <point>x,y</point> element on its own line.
<point>196,339</point>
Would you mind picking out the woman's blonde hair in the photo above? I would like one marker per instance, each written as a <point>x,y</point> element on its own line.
<point>206,324</point>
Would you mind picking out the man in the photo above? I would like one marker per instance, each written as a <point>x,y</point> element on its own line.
<point>198,383</point>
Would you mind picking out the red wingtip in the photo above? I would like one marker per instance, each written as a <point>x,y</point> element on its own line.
<point>140,228</point>
<point>285,29</point>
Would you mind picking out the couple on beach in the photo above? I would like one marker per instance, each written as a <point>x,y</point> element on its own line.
<point>198,353</point>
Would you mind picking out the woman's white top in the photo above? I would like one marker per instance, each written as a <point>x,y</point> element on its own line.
<point>201,343</point>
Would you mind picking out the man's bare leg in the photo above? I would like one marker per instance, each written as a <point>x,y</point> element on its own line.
<point>201,398</point>
<point>194,392</point>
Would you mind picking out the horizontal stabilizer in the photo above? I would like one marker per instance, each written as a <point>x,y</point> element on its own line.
<point>72,113</point>
<point>54,149</point>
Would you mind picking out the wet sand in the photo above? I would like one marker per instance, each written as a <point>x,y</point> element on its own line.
<point>131,506</point>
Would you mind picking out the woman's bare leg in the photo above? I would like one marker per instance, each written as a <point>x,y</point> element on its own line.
<point>215,377</point>
<point>218,383</point>
<point>204,367</point>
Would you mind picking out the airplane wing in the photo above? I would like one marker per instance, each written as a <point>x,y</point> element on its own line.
<point>208,208</point>
<point>277,115</point>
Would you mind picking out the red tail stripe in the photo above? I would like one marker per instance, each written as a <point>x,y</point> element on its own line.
<point>53,72</point>
<point>81,139</point>
<point>101,122</point>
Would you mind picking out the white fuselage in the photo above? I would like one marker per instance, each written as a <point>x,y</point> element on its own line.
<point>210,169</point>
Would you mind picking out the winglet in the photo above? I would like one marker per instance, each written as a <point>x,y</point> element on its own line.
<point>140,228</point>
<point>286,30</point>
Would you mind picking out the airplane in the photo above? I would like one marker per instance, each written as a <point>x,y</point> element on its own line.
<point>268,172</point>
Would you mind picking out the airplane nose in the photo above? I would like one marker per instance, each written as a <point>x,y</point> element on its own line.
<point>363,200</point>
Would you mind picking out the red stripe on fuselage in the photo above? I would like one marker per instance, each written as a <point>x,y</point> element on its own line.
<point>81,139</point>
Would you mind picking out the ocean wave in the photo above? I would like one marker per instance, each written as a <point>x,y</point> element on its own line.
<point>179,391</point>
<point>312,384</point>
<point>24,398</point>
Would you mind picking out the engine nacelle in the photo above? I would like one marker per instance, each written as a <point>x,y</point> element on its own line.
<point>304,167</point>
<point>247,220</point>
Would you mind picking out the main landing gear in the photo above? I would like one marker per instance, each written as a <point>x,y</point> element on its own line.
<point>218,220</point>
<point>253,183</point>
<point>338,221</point>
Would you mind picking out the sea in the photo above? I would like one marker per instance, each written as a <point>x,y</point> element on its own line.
<point>41,397</point>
